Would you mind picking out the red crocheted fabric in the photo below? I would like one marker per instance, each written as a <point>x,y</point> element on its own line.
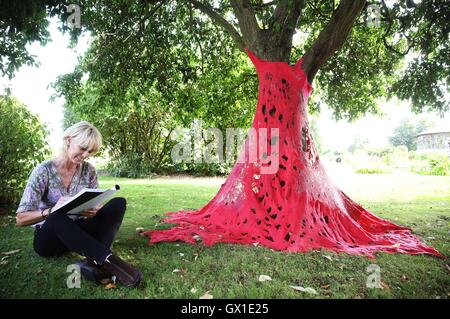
<point>284,199</point>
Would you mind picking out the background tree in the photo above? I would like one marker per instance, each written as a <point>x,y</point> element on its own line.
<point>405,133</point>
<point>359,143</point>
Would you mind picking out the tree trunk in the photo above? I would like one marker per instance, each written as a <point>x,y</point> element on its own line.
<point>283,198</point>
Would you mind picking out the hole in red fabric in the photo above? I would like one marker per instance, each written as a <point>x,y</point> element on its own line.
<point>272,111</point>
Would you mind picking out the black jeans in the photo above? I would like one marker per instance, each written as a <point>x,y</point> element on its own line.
<point>90,237</point>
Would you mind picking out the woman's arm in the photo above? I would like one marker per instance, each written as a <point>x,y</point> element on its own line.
<point>31,217</point>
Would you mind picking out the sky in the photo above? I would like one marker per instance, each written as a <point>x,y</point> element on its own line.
<point>31,86</point>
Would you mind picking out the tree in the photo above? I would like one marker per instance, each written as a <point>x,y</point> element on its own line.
<point>132,127</point>
<point>294,207</point>
<point>405,133</point>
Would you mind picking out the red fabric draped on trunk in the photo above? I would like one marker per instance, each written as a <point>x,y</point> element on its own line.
<point>284,199</point>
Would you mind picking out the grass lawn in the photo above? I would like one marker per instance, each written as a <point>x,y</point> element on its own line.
<point>232,271</point>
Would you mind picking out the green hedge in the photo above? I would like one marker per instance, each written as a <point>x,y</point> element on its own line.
<point>22,147</point>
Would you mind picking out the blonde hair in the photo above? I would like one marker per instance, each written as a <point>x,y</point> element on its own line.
<point>84,134</point>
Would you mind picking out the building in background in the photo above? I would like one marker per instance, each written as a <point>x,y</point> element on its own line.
<point>434,140</point>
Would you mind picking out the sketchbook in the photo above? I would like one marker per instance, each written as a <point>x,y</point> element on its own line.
<point>87,198</point>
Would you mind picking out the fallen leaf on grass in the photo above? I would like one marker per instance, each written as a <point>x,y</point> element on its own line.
<point>110,286</point>
<point>328,257</point>
<point>385,286</point>
<point>106,281</point>
<point>207,295</point>
<point>307,289</point>
<point>325,287</point>
<point>180,271</point>
<point>263,278</point>
<point>7,253</point>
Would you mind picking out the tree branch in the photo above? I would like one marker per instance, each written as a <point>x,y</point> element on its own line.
<point>280,12</point>
<point>289,22</point>
<point>217,18</point>
<point>333,36</point>
<point>247,21</point>
<point>390,21</point>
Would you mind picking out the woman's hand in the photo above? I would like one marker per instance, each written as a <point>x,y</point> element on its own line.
<point>89,213</point>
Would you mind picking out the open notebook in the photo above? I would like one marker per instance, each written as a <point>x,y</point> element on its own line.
<point>85,199</point>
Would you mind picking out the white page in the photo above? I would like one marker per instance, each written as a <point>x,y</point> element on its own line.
<point>94,202</point>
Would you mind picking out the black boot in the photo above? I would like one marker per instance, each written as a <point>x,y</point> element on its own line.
<point>126,274</point>
<point>93,272</point>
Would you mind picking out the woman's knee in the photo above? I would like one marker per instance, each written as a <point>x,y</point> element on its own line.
<point>119,203</point>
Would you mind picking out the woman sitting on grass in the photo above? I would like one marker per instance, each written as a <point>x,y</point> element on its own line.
<point>51,183</point>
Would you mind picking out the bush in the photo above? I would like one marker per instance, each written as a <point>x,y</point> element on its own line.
<point>433,164</point>
<point>372,170</point>
<point>397,157</point>
<point>22,147</point>
<point>129,165</point>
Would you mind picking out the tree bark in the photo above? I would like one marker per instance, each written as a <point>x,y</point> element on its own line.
<point>333,36</point>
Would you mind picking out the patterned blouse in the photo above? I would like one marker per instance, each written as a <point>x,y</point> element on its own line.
<point>45,186</point>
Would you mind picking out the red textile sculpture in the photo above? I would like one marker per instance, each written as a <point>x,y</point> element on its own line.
<point>294,207</point>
